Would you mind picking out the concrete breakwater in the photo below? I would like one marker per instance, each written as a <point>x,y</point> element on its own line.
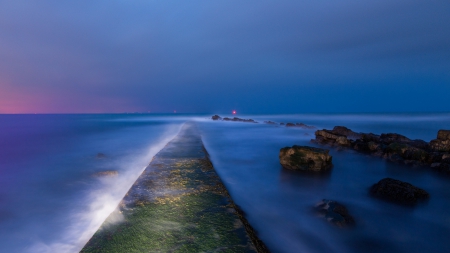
<point>178,204</point>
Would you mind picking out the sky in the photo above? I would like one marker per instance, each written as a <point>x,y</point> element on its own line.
<point>214,56</point>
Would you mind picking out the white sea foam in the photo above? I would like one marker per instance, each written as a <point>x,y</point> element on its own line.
<point>103,201</point>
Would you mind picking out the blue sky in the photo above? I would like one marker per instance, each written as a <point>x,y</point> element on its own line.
<point>216,56</point>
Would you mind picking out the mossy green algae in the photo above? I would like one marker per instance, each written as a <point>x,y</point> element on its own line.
<point>177,205</point>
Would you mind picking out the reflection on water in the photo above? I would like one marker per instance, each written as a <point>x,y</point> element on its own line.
<point>279,202</point>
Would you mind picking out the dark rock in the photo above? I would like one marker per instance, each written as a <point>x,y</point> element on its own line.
<point>239,120</point>
<point>216,117</point>
<point>305,158</point>
<point>442,143</point>
<point>391,146</point>
<point>335,213</point>
<point>332,138</point>
<point>100,156</point>
<point>443,135</point>
<point>301,125</point>
<point>441,167</point>
<point>270,122</point>
<point>392,137</point>
<point>398,191</point>
<point>304,126</point>
<point>341,130</point>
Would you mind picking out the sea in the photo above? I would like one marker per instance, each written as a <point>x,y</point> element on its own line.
<point>56,185</point>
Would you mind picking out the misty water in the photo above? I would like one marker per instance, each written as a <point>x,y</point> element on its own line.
<point>50,200</point>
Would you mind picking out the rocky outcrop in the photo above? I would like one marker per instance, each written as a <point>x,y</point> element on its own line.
<point>397,191</point>
<point>301,125</point>
<point>442,143</point>
<point>392,146</point>
<point>239,119</point>
<point>305,158</point>
<point>216,117</point>
<point>270,122</point>
<point>334,213</point>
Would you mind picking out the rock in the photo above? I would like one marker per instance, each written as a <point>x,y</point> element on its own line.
<point>394,147</point>
<point>282,124</point>
<point>397,191</point>
<point>305,158</point>
<point>216,117</point>
<point>392,137</point>
<point>441,167</point>
<point>443,135</point>
<point>341,130</point>
<point>270,122</point>
<point>107,173</point>
<point>100,156</point>
<point>442,143</point>
<point>304,126</point>
<point>301,125</point>
<point>335,213</point>
<point>239,120</point>
<point>331,138</point>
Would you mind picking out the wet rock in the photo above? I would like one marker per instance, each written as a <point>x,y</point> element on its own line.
<point>442,143</point>
<point>334,213</point>
<point>216,117</point>
<point>107,173</point>
<point>341,130</point>
<point>100,156</point>
<point>394,147</point>
<point>270,122</point>
<point>329,137</point>
<point>441,167</point>
<point>301,125</point>
<point>305,158</point>
<point>397,191</point>
<point>239,120</point>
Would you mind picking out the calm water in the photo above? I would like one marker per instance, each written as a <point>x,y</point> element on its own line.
<point>51,202</point>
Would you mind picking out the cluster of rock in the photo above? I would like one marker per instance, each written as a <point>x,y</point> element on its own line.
<point>305,158</point>
<point>392,146</point>
<point>300,125</point>
<point>217,117</point>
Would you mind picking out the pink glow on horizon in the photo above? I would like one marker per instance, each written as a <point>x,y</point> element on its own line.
<point>17,100</point>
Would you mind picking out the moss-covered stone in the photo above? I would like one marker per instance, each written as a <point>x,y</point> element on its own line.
<point>305,158</point>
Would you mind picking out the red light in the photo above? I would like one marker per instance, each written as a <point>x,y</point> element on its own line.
<point>234,112</point>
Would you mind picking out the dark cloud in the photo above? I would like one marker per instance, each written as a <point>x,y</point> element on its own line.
<point>203,56</point>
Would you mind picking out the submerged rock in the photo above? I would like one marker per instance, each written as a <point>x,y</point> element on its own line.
<point>107,173</point>
<point>100,156</point>
<point>397,191</point>
<point>270,122</point>
<point>305,158</point>
<point>335,213</point>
